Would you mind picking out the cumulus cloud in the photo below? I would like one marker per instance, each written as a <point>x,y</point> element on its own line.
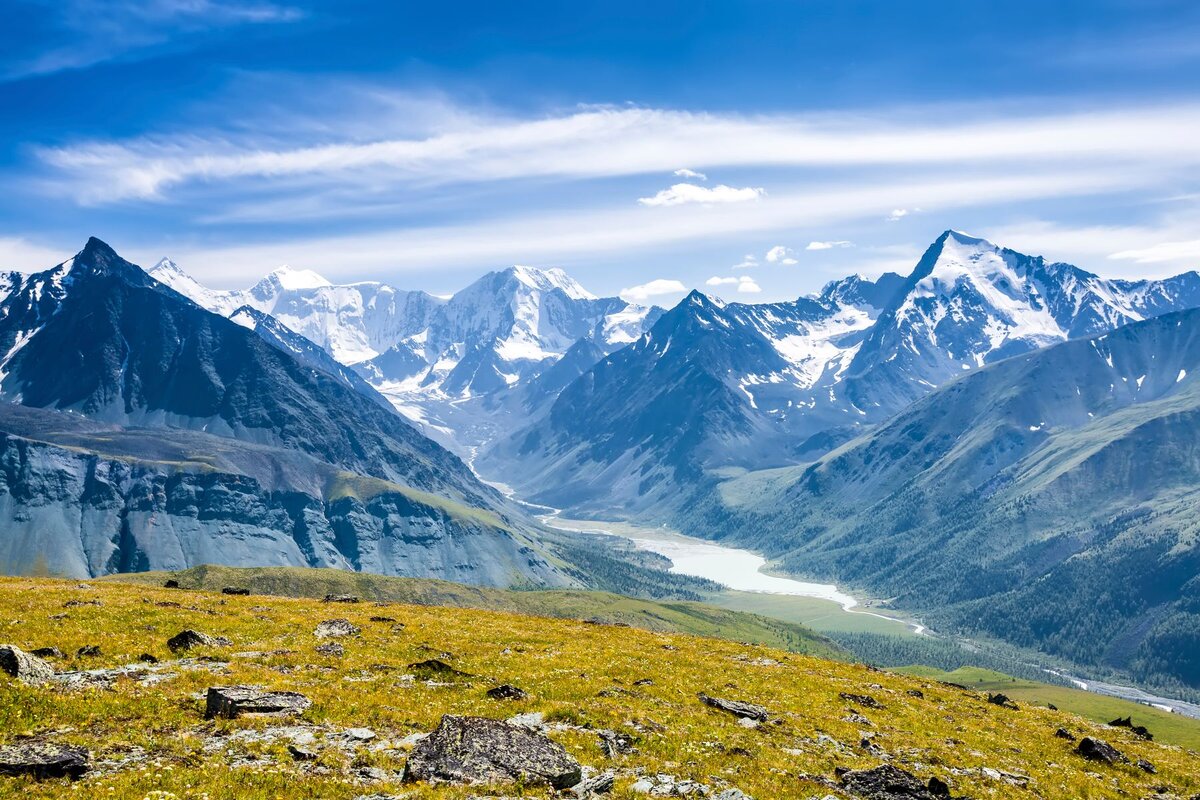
<point>828,245</point>
<point>749,261</point>
<point>744,283</point>
<point>781,255</point>
<point>690,174</point>
<point>682,193</point>
<point>897,214</point>
<point>654,288</point>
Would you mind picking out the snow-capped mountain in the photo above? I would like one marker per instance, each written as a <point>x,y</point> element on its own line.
<point>440,360</point>
<point>733,385</point>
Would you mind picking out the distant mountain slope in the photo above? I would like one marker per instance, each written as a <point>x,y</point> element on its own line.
<point>716,385</point>
<point>1049,499</point>
<point>98,338</point>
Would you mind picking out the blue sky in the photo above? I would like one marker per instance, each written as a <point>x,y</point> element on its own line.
<point>753,149</point>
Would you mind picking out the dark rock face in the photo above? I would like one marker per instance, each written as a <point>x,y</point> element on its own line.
<point>864,700</point>
<point>336,627</point>
<point>1063,733</point>
<point>891,783</point>
<point>43,760</point>
<point>1100,750</point>
<point>48,652</point>
<point>507,692</point>
<point>88,651</point>
<point>236,701</point>
<point>1002,700</point>
<point>477,750</point>
<point>433,669</point>
<point>737,707</point>
<point>187,639</point>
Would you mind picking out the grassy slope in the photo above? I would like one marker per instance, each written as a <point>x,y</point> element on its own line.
<point>1166,727</point>
<point>563,664</point>
<point>684,617</point>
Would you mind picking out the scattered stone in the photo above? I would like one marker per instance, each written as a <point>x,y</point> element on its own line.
<point>864,700</point>
<point>1100,750</point>
<point>78,603</point>
<point>480,750</point>
<point>331,649</point>
<point>147,658</point>
<point>590,786</point>
<point>340,598</point>
<point>48,652</point>
<point>1145,766</point>
<point>737,707</point>
<point>1002,700</point>
<point>599,621</point>
<point>915,693</point>
<point>336,627</point>
<point>43,760</point>
<point>1063,733</point>
<point>383,619</point>
<point>434,668</point>
<point>171,584</point>
<point>26,668</point>
<point>614,744</point>
<point>187,639</point>
<point>1051,706</point>
<point>302,753</point>
<point>892,783</point>
<point>643,682</point>
<point>1127,722</point>
<point>1010,778</point>
<point>534,720</point>
<point>236,701</point>
<point>234,590</point>
<point>507,691</point>
<point>88,650</point>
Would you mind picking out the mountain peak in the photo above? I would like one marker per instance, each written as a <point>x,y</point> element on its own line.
<point>290,279</point>
<point>962,238</point>
<point>95,252</point>
<point>547,280</point>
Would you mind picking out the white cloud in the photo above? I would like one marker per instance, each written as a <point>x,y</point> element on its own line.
<point>749,261</point>
<point>682,193</point>
<point>690,174</point>
<point>828,245</point>
<point>781,255</point>
<point>744,283</point>
<point>23,255</point>
<point>897,214</point>
<point>1162,252</point>
<point>608,142</point>
<point>654,288</point>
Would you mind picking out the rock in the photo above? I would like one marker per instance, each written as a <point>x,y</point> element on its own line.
<point>481,750</point>
<point>78,603</point>
<point>507,691</point>
<point>915,693</point>
<point>234,590</point>
<point>340,598</point>
<point>596,784</point>
<point>1051,706</point>
<point>331,649</point>
<point>236,701</point>
<point>1127,722</point>
<point>48,652</point>
<point>864,700</point>
<point>171,584</point>
<point>299,753</point>
<point>43,760</point>
<point>433,669</point>
<point>187,639</point>
<point>892,783</point>
<point>615,744</point>
<point>1100,750</point>
<point>147,658</point>
<point>1002,700</point>
<point>336,627</point>
<point>24,667</point>
<point>383,619</point>
<point>1063,733</point>
<point>737,707</point>
<point>88,650</point>
<point>1145,766</point>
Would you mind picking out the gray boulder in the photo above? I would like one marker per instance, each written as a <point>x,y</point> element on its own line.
<point>1100,750</point>
<point>738,708</point>
<point>237,701</point>
<point>478,750</point>
<point>336,627</point>
<point>892,783</point>
<point>43,760</point>
<point>24,667</point>
<point>187,639</point>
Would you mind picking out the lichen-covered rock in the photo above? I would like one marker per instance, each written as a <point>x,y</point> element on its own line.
<point>43,760</point>
<point>23,666</point>
<point>738,708</point>
<point>237,701</point>
<point>892,783</point>
<point>336,627</point>
<point>478,750</point>
<point>187,639</point>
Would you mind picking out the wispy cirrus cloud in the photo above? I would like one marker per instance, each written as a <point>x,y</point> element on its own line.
<point>829,245</point>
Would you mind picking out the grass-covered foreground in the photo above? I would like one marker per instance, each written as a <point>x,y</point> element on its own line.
<point>148,738</point>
